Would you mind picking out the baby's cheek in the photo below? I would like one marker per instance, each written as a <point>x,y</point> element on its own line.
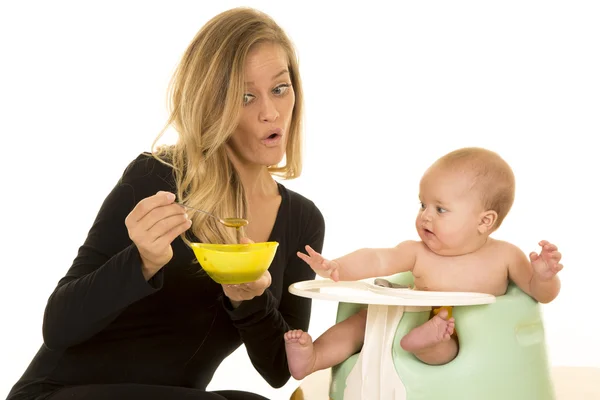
<point>449,237</point>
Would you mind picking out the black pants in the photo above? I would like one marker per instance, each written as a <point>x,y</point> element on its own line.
<point>129,391</point>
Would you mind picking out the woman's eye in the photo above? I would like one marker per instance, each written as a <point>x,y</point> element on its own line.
<point>248,98</point>
<point>281,89</point>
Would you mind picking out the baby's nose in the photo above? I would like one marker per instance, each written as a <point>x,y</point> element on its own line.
<point>426,214</point>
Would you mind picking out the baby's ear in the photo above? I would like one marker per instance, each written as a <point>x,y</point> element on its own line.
<point>487,221</point>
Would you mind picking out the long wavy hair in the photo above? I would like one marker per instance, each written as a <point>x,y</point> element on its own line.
<point>206,98</point>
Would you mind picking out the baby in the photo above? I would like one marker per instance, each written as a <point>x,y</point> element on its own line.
<point>464,196</point>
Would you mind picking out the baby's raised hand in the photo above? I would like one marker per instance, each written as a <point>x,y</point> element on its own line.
<point>322,266</point>
<point>547,263</point>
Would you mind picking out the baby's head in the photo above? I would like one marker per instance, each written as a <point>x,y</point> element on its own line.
<point>465,195</point>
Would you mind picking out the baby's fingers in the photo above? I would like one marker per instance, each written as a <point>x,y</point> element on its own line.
<point>557,268</point>
<point>314,263</point>
<point>305,258</point>
<point>533,256</point>
<point>313,253</point>
<point>547,246</point>
<point>335,275</point>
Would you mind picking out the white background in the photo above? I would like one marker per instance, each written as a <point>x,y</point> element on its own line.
<point>388,90</point>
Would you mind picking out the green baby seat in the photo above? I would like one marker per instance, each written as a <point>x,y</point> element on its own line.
<point>502,353</point>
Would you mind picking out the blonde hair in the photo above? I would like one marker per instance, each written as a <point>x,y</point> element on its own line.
<point>206,97</point>
<point>493,178</point>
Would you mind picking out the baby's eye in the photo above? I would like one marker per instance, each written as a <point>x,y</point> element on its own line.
<point>422,206</point>
<point>441,210</point>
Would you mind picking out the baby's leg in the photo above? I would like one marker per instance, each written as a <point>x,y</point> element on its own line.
<point>331,348</point>
<point>433,342</point>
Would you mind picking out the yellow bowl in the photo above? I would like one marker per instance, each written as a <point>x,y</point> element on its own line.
<point>235,263</point>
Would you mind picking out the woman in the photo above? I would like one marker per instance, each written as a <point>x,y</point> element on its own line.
<point>135,317</point>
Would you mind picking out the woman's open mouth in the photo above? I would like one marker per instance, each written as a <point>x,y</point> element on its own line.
<point>273,138</point>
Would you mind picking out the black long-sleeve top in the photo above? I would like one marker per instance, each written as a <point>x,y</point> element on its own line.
<point>104,323</point>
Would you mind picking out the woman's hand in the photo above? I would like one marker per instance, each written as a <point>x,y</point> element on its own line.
<point>247,291</point>
<point>152,225</point>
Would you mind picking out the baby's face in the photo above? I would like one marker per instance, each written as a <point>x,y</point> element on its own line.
<point>450,212</point>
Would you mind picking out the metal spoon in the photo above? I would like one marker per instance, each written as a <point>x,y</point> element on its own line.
<point>385,283</point>
<point>228,222</point>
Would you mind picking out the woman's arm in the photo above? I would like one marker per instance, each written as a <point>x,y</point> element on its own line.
<point>105,277</point>
<point>262,322</point>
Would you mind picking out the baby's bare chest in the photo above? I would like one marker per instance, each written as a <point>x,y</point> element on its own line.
<point>461,274</point>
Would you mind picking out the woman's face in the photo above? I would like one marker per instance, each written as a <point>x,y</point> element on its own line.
<point>263,130</point>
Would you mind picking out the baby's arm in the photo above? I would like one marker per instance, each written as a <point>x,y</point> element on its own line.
<point>536,276</point>
<point>364,263</point>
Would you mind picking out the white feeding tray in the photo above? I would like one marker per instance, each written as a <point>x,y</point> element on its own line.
<point>362,292</point>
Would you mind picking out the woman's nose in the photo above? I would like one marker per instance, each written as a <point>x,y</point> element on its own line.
<point>268,112</point>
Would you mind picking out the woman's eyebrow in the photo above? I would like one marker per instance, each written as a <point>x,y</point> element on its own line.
<point>282,72</point>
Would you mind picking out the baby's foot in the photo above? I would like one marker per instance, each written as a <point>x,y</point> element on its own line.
<point>300,353</point>
<point>438,329</point>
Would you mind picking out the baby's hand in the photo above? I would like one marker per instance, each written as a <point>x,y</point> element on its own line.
<point>322,266</point>
<point>546,264</point>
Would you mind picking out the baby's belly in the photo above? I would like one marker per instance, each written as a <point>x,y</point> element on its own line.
<point>464,284</point>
